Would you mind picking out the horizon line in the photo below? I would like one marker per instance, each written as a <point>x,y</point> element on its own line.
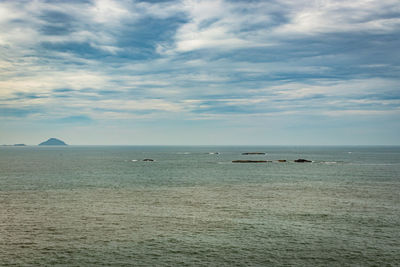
<point>207,145</point>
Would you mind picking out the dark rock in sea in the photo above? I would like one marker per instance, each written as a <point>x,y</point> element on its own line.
<point>53,142</point>
<point>19,145</point>
<point>281,160</point>
<point>148,160</point>
<point>253,153</point>
<point>302,160</point>
<point>250,161</point>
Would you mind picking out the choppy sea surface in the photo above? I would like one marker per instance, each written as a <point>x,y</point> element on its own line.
<point>105,206</point>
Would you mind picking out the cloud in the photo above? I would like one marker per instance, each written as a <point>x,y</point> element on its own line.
<point>341,16</point>
<point>215,25</point>
<point>77,119</point>
<point>10,112</point>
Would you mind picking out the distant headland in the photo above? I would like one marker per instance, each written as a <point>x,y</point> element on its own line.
<point>53,142</point>
<point>15,145</point>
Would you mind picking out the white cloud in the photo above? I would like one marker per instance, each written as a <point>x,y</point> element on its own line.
<point>38,82</point>
<point>215,24</point>
<point>360,112</point>
<point>317,17</point>
<point>108,12</point>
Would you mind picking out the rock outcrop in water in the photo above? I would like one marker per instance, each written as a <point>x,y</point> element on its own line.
<point>253,153</point>
<point>250,161</point>
<point>302,160</point>
<point>53,142</point>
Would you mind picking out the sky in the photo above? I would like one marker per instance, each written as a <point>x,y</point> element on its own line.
<point>194,72</point>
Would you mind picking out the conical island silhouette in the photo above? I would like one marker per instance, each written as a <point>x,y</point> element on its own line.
<point>53,142</point>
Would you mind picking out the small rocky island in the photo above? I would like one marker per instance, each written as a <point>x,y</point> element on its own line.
<point>302,160</point>
<point>253,153</point>
<point>250,161</point>
<point>53,142</point>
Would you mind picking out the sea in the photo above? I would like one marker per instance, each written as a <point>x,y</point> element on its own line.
<point>192,206</point>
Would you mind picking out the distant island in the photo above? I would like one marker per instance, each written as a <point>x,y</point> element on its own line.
<point>53,142</point>
<point>15,145</point>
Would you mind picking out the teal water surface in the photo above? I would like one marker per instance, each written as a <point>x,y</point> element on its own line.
<point>105,206</point>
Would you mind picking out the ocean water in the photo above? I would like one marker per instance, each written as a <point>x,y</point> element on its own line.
<point>105,206</point>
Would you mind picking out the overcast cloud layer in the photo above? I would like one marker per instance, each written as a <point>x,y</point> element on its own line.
<point>200,72</point>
